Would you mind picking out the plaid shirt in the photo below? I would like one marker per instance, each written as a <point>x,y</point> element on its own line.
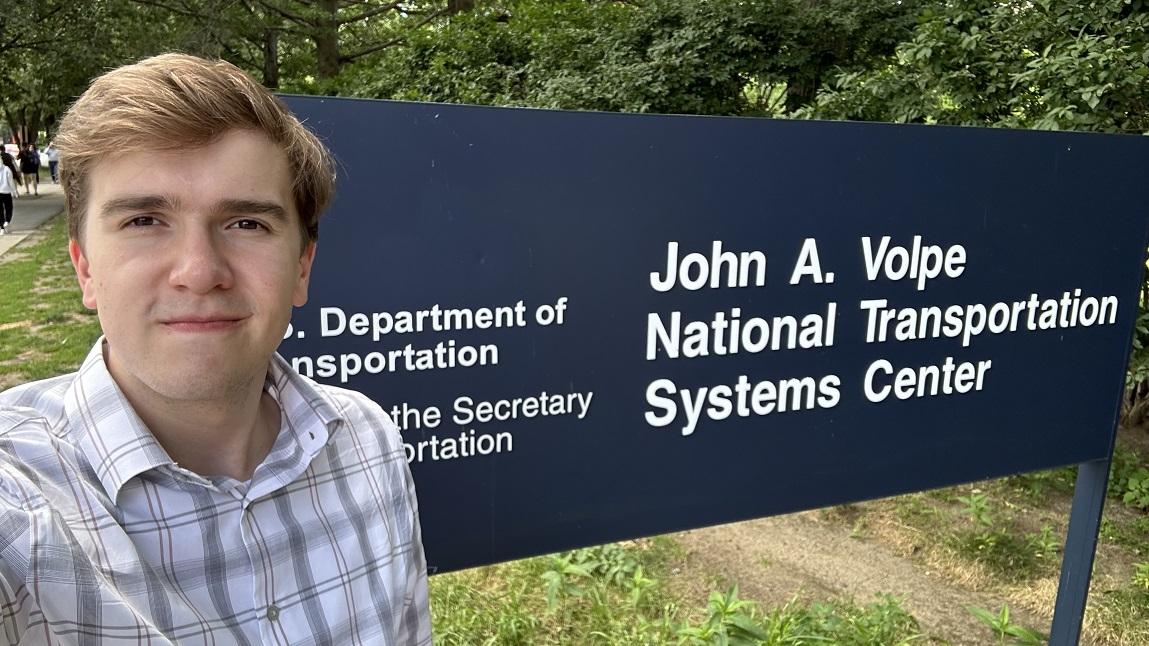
<point>104,539</point>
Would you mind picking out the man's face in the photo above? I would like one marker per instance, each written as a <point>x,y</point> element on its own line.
<point>193,260</point>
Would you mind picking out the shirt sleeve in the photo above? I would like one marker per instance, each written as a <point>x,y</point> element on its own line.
<point>21,511</point>
<point>15,601</point>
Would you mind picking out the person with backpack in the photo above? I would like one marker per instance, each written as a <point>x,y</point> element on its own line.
<point>30,167</point>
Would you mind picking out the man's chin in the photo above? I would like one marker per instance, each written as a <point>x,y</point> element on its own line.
<point>200,384</point>
<point>202,373</point>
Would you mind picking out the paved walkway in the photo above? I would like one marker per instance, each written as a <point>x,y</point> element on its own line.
<point>30,212</point>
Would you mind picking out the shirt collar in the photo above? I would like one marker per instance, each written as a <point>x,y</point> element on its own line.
<point>111,435</point>
<point>309,417</point>
<point>119,446</point>
<point>307,408</point>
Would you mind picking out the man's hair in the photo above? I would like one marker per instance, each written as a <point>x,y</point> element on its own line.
<point>176,101</point>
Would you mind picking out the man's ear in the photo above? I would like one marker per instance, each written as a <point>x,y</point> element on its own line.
<point>306,259</point>
<point>83,273</point>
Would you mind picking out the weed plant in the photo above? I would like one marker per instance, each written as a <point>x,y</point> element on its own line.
<point>1140,579</point>
<point>1006,632</point>
<point>996,544</point>
<point>883,621</point>
<point>1009,557</point>
<point>992,524</point>
<point>1036,486</point>
<point>1132,535</point>
<point>611,594</point>
<point>1129,479</point>
<point>615,595</point>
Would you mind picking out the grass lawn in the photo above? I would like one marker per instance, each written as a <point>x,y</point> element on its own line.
<point>44,328</point>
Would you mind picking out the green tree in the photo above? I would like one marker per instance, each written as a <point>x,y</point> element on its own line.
<point>239,31</point>
<point>1051,64</point>
<point>715,57</point>
<point>817,38</point>
<point>52,49</point>
<point>484,56</point>
<point>299,43</point>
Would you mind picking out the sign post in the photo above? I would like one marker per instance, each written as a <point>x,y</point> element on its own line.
<point>1080,547</point>
<point>592,327</point>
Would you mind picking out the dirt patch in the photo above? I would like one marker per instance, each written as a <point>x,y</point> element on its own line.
<point>19,252</point>
<point>775,560</point>
<point>912,547</point>
<point>9,380</point>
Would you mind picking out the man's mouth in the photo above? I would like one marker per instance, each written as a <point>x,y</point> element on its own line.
<point>201,323</point>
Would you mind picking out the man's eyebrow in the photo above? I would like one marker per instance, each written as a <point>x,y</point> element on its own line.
<point>163,203</point>
<point>135,203</point>
<point>252,207</point>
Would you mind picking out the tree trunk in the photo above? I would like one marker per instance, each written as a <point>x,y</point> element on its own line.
<point>10,119</point>
<point>24,124</point>
<point>802,88</point>
<point>271,58</point>
<point>50,123</point>
<point>31,127</point>
<point>326,39</point>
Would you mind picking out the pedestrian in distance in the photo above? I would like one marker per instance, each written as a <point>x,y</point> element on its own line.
<point>8,160</point>
<point>8,188</point>
<point>8,154</point>
<point>30,168</point>
<point>53,156</point>
<point>186,485</point>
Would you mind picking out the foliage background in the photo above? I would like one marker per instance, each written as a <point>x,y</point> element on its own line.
<point>1055,64</point>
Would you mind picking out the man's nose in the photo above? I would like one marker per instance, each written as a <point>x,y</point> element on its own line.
<point>201,263</point>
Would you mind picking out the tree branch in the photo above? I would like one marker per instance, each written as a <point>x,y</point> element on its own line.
<point>27,44</point>
<point>14,43</point>
<point>167,7</point>
<point>347,58</point>
<point>370,13</point>
<point>293,17</point>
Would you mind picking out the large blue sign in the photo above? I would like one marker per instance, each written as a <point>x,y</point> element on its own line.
<point>599,326</point>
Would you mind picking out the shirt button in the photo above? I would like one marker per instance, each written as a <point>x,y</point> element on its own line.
<point>272,612</point>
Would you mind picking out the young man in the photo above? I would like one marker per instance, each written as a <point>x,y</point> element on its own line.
<point>185,485</point>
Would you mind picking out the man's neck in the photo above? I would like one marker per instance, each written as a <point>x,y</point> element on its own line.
<point>218,437</point>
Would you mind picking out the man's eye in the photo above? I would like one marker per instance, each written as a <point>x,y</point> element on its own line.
<point>142,221</point>
<point>250,225</point>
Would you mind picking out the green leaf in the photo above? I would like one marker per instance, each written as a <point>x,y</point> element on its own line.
<point>748,626</point>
